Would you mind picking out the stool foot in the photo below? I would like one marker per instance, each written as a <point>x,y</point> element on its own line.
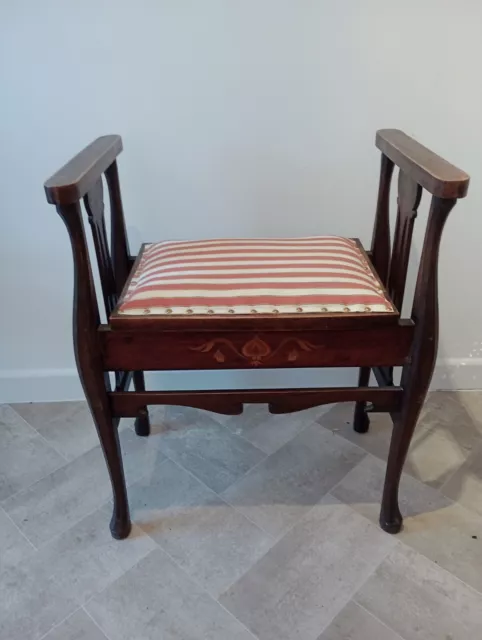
<point>142,424</point>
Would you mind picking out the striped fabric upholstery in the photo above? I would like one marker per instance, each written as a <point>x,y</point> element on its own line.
<point>300,275</point>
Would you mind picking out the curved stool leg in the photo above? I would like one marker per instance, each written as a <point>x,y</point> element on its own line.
<point>417,374</point>
<point>120,524</point>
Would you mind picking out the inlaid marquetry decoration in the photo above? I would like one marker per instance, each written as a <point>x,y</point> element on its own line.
<point>256,351</point>
<point>233,303</point>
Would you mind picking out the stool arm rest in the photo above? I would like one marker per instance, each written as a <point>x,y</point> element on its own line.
<point>429,170</point>
<point>70,183</point>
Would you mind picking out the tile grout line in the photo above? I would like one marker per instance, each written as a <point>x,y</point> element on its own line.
<point>272,539</point>
<point>412,473</point>
<point>17,493</point>
<point>231,615</point>
<point>285,532</point>
<point>266,456</point>
<point>401,542</point>
<point>372,615</point>
<point>85,515</point>
<point>237,435</point>
<point>346,474</point>
<point>362,584</point>
<point>37,432</point>
<point>220,424</point>
<point>81,607</point>
<point>317,504</point>
<point>57,535</point>
<point>182,570</point>
<point>18,528</point>
<point>273,415</point>
<point>28,487</point>
<point>439,566</point>
<point>99,507</point>
<point>473,511</point>
<point>62,466</point>
<point>204,590</point>
<point>267,533</point>
<point>270,415</point>
<point>5,404</point>
<point>104,633</point>
<point>420,428</point>
<point>412,477</point>
<point>101,591</point>
<point>336,435</point>
<point>57,624</point>
<point>275,541</point>
<point>280,448</point>
<point>103,504</point>
<point>229,486</point>
<point>72,526</point>
<point>52,445</point>
<point>51,472</point>
<point>367,453</point>
<point>278,539</point>
<point>473,454</point>
<point>228,504</point>
<point>109,500</point>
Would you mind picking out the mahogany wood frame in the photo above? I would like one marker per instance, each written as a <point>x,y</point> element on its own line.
<point>373,342</point>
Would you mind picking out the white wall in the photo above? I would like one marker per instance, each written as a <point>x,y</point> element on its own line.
<point>253,118</point>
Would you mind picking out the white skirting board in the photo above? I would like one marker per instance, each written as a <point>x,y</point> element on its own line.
<point>50,385</point>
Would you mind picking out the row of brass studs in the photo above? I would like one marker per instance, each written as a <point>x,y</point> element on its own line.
<point>298,309</point>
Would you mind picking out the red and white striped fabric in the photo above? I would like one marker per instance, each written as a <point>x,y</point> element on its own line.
<point>311,275</point>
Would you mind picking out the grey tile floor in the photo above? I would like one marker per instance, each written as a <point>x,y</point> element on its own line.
<point>255,526</point>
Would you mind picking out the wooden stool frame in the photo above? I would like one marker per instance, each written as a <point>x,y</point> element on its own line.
<point>374,342</point>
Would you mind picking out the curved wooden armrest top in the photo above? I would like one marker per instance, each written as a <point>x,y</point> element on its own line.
<point>429,170</point>
<point>70,183</point>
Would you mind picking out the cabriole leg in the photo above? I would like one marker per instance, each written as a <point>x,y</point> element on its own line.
<point>417,374</point>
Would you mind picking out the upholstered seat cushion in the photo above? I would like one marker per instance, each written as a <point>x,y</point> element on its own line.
<point>324,274</point>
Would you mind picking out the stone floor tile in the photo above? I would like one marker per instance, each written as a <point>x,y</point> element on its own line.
<point>156,599</point>
<point>465,485</point>
<point>67,426</point>
<point>58,501</point>
<point>209,539</point>
<point>455,414</point>
<point>444,531</point>
<point>77,627</point>
<point>434,454</point>
<point>25,457</point>
<point>356,623</point>
<point>14,547</point>
<point>85,559</point>
<point>296,589</point>
<point>315,583</point>
<point>204,447</point>
<point>283,487</point>
<point>266,431</point>
<point>421,601</point>
<point>31,601</point>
